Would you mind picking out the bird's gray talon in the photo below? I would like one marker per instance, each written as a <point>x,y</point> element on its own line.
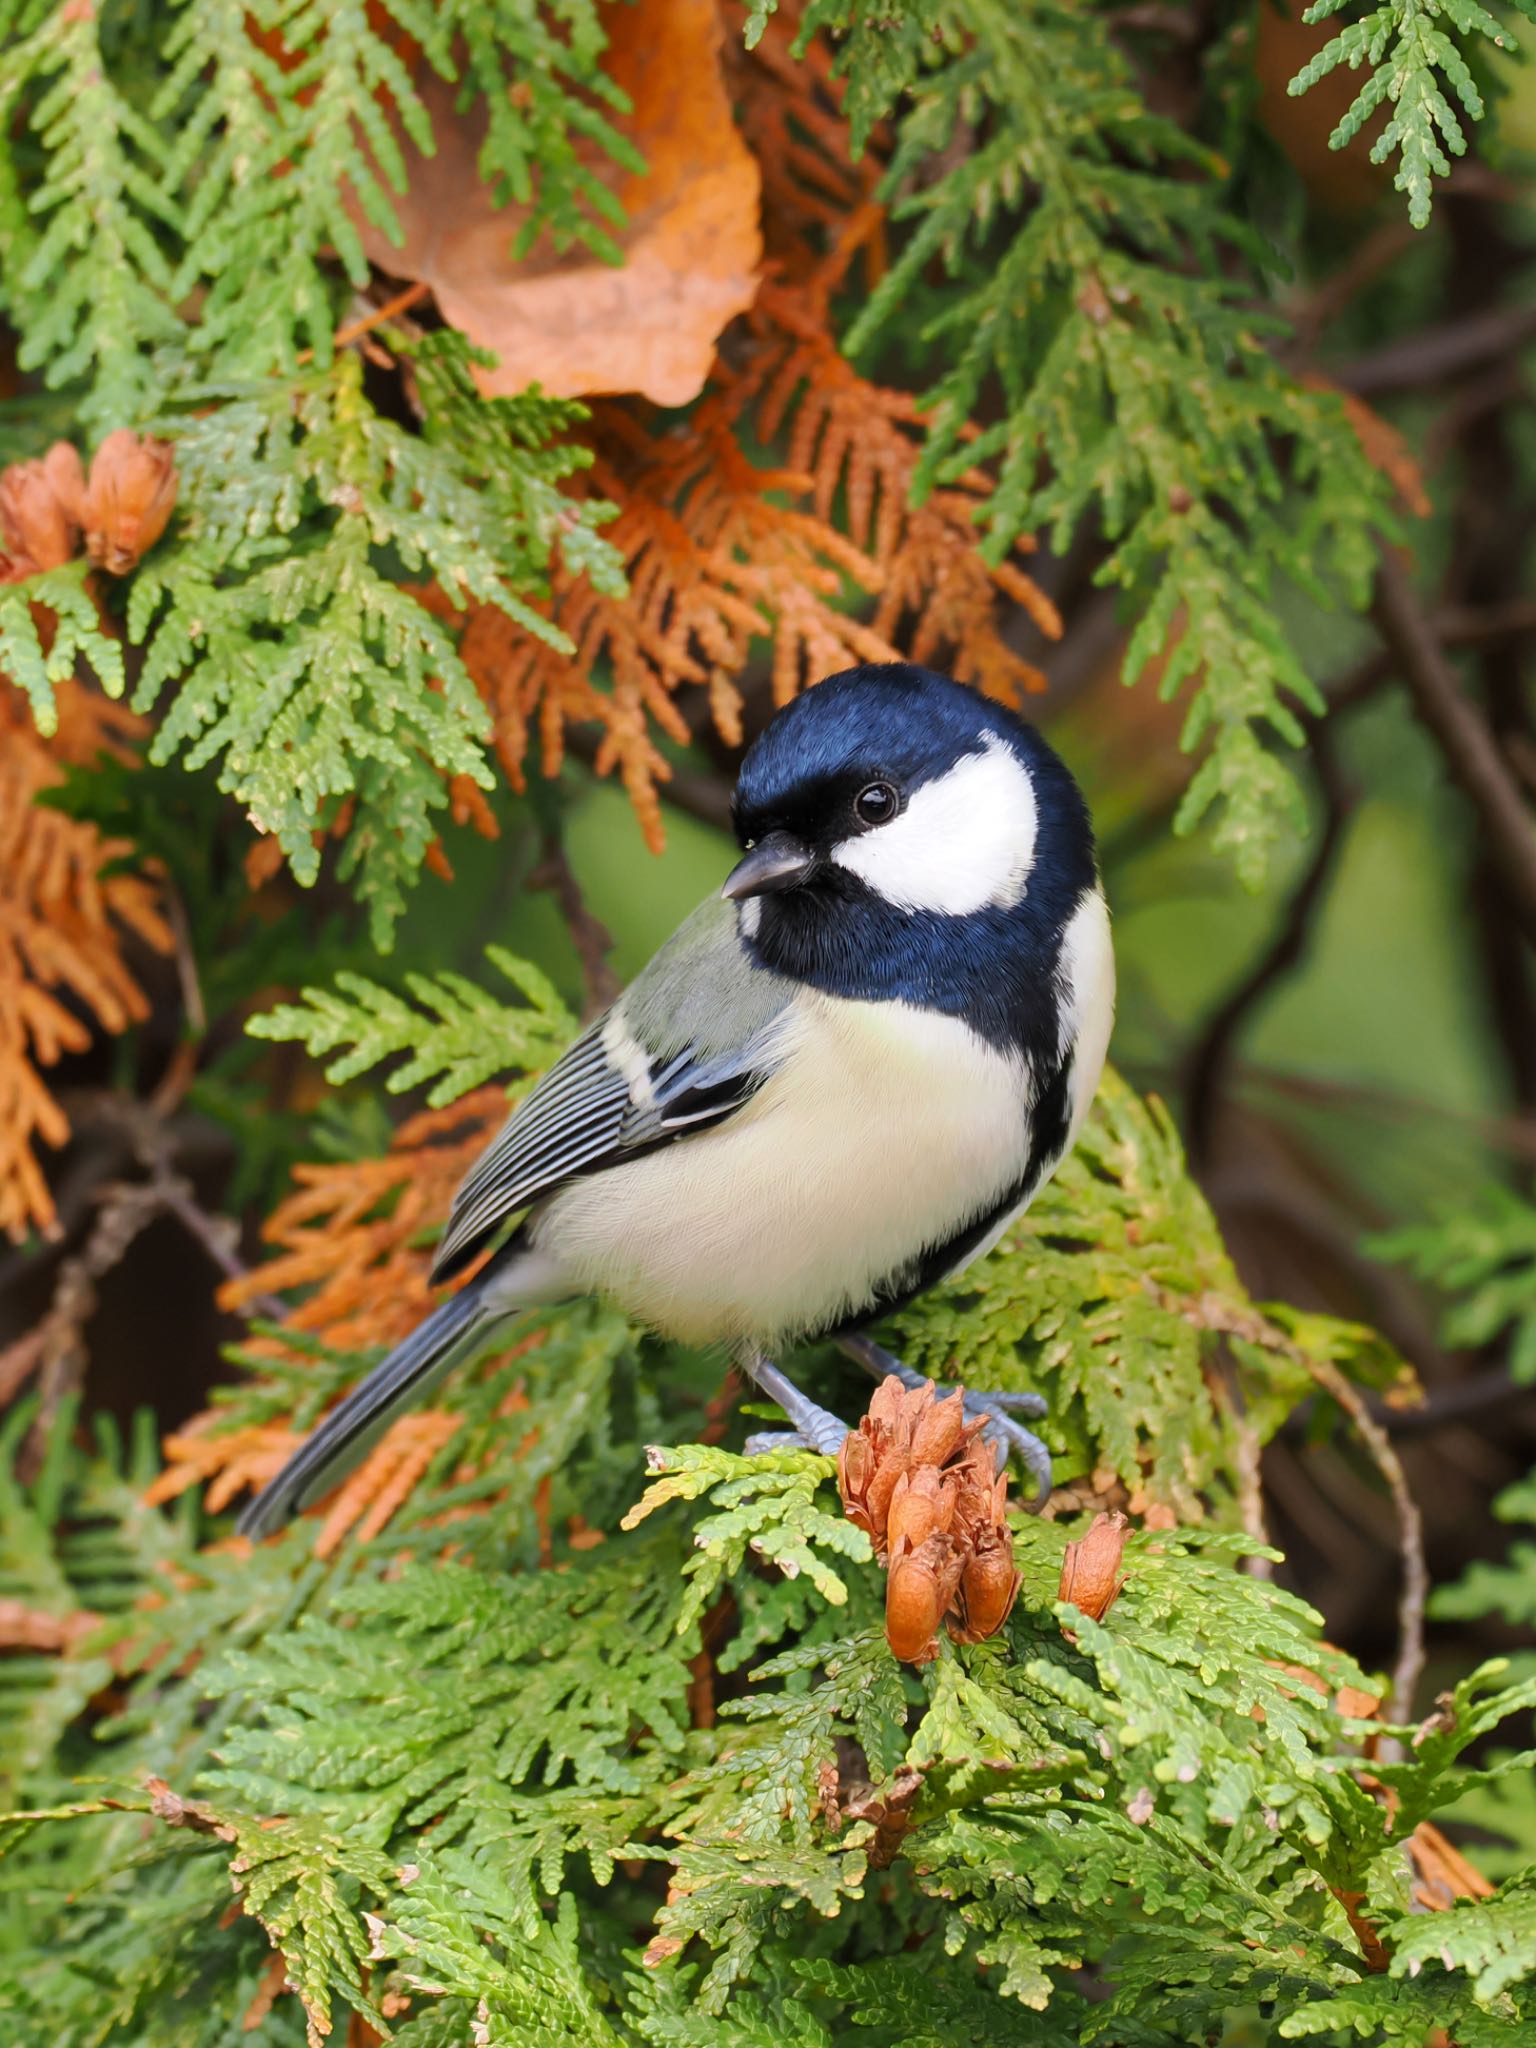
<point>814,1428</point>
<point>1001,1428</point>
<point>767,1440</point>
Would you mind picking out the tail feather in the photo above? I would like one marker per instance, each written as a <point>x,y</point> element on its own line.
<point>445,1339</point>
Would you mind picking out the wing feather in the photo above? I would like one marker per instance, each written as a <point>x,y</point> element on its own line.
<point>587,1114</point>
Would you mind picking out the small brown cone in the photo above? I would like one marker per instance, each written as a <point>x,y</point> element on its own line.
<point>40,520</point>
<point>1090,1570</point>
<point>917,1594</point>
<point>128,500</point>
<point>922,1482</point>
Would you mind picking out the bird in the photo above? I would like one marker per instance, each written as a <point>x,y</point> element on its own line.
<point>837,1083</point>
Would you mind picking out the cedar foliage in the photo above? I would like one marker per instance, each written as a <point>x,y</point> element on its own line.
<point>510,1743</point>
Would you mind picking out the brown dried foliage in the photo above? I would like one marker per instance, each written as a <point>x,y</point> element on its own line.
<point>816,552</point>
<point>64,914</point>
<point>923,1483</point>
<point>351,1245</point>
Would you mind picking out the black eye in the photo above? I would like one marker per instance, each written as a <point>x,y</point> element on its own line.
<point>876,804</point>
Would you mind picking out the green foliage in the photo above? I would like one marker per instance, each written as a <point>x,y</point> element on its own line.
<point>1115,1298</point>
<point>769,1507</point>
<point>525,1758</point>
<point>1483,1254</point>
<point>88,280</point>
<point>432,1772</point>
<point>1136,385</point>
<point>77,640</point>
<point>467,1037</point>
<point>300,663</point>
<point>1409,51</point>
<point>207,146</point>
<point>880,49</point>
<point>1509,1587</point>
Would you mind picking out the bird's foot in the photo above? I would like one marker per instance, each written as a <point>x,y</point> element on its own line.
<point>997,1409</point>
<point>814,1428</point>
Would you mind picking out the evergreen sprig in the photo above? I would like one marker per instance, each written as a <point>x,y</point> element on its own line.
<point>1483,1257</point>
<point>77,639</point>
<point>466,1037</point>
<point>1411,51</point>
<point>325,691</point>
<point>403,1763</point>
<point>1095,296</point>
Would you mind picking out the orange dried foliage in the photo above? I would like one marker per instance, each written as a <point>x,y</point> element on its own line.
<point>714,563</point>
<point>386,1478</point>
<point>347,1238</point>
<point>224,1464</point>
<point>571,322</point>
<point>1383,445</point>
<point>820,555</point>
<point>721,553</point>
<point>63,916</point>
<point>1442,1874</point>
<point>351,1242</point>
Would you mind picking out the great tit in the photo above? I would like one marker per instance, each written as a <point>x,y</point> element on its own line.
<point>838,1082</point>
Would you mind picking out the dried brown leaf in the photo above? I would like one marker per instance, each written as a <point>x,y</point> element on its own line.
<point>692,246</point>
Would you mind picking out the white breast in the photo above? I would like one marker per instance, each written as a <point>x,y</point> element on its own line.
<point>886,1129</point>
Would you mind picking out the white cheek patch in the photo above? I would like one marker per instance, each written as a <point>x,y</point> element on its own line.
<point>966,840</point>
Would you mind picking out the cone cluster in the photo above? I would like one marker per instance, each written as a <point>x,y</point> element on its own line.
<point>50,506</point>
<point>923,1482</point>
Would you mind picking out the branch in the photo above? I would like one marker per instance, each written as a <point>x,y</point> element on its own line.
<point>590,936</point>
<point>1410,1528</point>
<point>1211,1058</point>
<point>1462,736</point>
<point>1440,352</point>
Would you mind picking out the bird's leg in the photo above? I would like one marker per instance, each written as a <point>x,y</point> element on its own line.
<point>815,1428</point>
<point>1001,1426</point>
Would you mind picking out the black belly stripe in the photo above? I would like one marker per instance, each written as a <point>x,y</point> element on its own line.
<point>1048,1141</point>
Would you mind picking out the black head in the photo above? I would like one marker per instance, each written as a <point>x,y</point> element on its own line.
<point>906,838</point>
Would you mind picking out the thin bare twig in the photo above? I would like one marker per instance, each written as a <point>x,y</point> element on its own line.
<point>181,1069</point>
<point>1440,352</point>
<point>1462,735</point>
<point>1211,1058</point>
<point>1410,1530</point>
<point>590,936</point>
<point>354,330</point>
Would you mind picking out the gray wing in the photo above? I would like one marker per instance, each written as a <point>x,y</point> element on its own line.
<point>692,1039</point>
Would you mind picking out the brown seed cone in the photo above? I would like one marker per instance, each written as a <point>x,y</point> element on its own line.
<point>938,1427</point>
<point>128,500</point>
<point>989,1585</point>
<point>923,1483</point>
<point>917,1594</point>
<point>1090,1570</point>
<point>40,524</point>
<point>921,1504</point>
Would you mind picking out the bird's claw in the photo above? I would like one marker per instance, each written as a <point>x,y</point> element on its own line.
<point>1009,1435</point>
<point>825,1441</point>
<point>996,1409</point>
